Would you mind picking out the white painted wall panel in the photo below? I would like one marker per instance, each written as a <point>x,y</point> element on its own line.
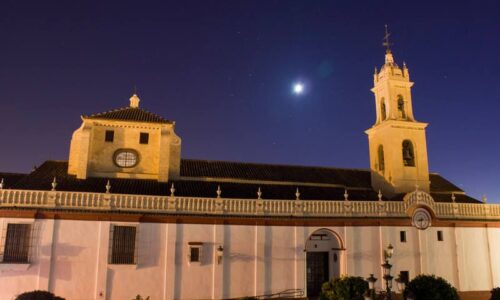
<point>71,259</point>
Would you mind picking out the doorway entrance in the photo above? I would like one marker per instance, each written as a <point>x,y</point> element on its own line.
<point>323,250</point>
<point>317,272</point>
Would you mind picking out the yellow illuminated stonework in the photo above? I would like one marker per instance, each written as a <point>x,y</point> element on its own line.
<point>398,148</point>
<point>125,155</point>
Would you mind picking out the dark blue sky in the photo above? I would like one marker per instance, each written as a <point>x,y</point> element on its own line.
<point>223,71</point>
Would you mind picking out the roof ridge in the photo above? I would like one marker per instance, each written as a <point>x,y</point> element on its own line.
<point>273,164</point>
<point>107,111</point>
<point>127,113</point>
<point>12,173</point>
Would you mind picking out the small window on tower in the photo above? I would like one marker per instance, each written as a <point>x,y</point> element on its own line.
<point>110,136</point>
<point>144,138</point>
<point>382,109</point>
<point>408,154</point>
<point>381,162</point>
<point>401,107</point>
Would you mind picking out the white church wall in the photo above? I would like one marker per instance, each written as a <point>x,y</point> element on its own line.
<point>406,254</point>
<point>12,279</point>
<point>71,259</point>
<point>473,259</point>
<point>74,257</point>
<point>145,278</point>
<point>439,257</point>
<point>239,267</point>
<point>494,240</point>
<point>363,251</point>
<point>193,280</point>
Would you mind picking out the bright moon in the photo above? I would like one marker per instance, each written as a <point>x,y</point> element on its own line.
<point>298,88</point>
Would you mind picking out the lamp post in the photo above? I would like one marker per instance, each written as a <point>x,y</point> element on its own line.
<point>387,270</point>
<point>220,252</point>
<point>401,284</point>
<point>370,294</point>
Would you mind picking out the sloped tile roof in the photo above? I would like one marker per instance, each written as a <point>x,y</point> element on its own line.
<point>10,179</point>
<point>275,181</point>
<point>134,114</point>
<point>283,173</point>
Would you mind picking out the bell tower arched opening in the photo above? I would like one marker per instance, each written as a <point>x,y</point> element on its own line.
<point>324,253</point>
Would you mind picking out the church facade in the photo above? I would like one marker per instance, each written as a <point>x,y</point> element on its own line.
<point>126,215</point>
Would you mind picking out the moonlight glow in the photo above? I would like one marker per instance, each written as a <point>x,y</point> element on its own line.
<point>298,88</point>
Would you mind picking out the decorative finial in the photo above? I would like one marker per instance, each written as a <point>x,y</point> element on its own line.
<point>386,42</point>
<point>379,195</point>
<point>219,192</point>
<point>297,194</point>
<point>346,195</point>
<point>172,190</point>
<point>259,194</point>
<point>453,198</point>
<point>1,184</point>
<point>134,101</point>
<point>485,199</point>
<point>404,64</point>
<point>108,187</point>
<point>54,184</point>
<point>416,187</point>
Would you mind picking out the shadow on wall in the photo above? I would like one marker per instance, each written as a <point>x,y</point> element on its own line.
<point>226,264</point>
<point>268,263</point>
<point>149,245</point>
<point>385,185</point>
<point>179,231</point>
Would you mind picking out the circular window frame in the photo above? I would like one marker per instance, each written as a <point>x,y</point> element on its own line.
<point>119,151</point>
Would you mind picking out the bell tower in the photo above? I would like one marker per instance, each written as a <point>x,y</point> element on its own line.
<point>397,142</point>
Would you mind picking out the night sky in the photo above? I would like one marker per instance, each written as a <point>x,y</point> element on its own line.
<point>223,70</point>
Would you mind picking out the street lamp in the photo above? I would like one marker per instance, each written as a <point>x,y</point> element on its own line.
<point>388,252</point>
<point>401,283</point>
<point>387,270</point>
<point>370,294</point>
<point>220,253</point>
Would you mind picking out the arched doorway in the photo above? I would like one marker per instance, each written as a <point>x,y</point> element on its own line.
<point>323,259</point>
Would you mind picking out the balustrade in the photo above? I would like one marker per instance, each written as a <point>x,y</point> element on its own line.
<point>193,205</point>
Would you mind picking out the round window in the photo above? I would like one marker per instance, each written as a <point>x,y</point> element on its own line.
<point>126,158</point>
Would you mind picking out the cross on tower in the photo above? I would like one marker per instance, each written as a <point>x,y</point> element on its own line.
<point>386,42</point>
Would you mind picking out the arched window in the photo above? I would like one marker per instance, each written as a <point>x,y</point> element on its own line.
<point>382,109</point>
<point>381,162</point>
<point>401,107</point>
<point>408,154</point>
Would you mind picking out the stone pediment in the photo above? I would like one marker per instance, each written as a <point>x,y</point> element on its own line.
<point>419,197</point>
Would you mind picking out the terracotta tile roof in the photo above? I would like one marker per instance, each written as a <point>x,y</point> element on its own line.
<point>10,179</point>
<point>275,181</point>
<point>355,178</point>
<point>129,114</point>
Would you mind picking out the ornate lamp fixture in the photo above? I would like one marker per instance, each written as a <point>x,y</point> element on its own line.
<point>370,294</point>
<point>220,253</point>
<point>386,266</point>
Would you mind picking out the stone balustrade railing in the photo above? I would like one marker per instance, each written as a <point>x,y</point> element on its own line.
<point>240,207</point>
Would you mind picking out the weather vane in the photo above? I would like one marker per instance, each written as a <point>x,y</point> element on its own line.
<point>386,42</point>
